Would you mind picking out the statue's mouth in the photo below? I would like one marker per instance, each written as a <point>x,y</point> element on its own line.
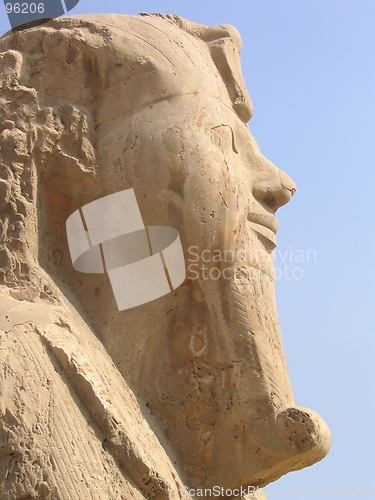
<point>265,225</point>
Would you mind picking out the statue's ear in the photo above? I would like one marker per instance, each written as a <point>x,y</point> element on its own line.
<point>59,139</point>
<point>71,163</point>
<point>10,69</point>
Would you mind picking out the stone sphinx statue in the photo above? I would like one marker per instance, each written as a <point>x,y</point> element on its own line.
<point>187,391</point>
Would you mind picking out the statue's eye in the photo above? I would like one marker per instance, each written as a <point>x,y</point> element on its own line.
<point>222,136</point>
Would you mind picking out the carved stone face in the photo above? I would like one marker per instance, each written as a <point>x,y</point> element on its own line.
<point>207,359</point>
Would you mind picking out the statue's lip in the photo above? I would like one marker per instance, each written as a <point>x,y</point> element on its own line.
<point>265,225</point>
<point>265,219</point>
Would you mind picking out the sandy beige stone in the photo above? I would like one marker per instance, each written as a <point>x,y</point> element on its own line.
<point>191,388</point>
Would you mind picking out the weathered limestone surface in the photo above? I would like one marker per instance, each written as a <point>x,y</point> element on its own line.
<point>192,388</point>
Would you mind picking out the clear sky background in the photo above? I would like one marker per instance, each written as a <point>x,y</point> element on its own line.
<point>310,69</point>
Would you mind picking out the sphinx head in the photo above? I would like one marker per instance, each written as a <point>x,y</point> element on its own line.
<point>158,105</point>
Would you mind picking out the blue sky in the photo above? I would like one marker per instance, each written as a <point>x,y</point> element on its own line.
<point>310,69</point>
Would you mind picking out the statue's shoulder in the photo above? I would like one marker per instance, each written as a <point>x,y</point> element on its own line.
<point>69,424</point>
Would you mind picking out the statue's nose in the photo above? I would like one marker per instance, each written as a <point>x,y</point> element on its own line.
<point>274,190</point>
